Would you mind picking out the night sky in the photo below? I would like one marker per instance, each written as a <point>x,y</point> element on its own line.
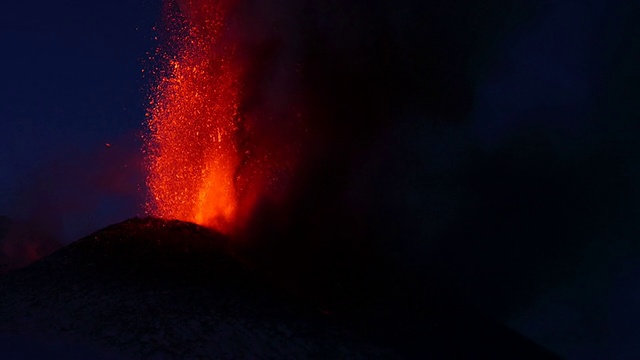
<point>72,83</point>
<point>509,160</point>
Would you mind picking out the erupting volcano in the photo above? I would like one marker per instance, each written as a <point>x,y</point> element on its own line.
<point>193,120</point>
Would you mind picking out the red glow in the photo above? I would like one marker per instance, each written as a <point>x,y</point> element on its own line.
<point>193,120</point>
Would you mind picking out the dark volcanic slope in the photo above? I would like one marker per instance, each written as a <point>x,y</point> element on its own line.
<point>150,288</point>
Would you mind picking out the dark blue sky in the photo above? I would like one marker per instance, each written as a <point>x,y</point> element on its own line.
<point>555,93</point>
<point>72,82</point>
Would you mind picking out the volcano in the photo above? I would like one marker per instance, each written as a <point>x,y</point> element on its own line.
<point>150,288</point>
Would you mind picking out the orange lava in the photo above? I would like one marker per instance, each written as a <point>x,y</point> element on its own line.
<point>192,153</point>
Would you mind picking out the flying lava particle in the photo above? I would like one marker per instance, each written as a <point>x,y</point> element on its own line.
<point>192,152</point>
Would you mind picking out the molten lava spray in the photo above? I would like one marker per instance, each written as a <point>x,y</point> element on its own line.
<point>193,121</point>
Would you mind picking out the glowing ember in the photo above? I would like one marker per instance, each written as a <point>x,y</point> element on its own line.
<point>193,123</point>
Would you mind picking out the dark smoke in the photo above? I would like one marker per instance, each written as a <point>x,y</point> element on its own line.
<point>386,94</point>
<point>490,145</point>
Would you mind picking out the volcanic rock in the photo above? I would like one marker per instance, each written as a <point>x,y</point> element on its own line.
<point>149,288</point>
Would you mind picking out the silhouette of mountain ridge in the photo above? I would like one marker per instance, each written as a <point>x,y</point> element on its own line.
<point>149,288</point>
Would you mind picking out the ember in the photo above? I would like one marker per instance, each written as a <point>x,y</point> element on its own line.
<point>193,121</point>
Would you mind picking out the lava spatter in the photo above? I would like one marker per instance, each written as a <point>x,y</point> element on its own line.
<point>192,155</point>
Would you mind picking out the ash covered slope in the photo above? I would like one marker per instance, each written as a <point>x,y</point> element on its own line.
<point>148,287</point>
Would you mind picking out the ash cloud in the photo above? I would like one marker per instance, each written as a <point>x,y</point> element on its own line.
<point>385,142</point>
<point>486,143</point>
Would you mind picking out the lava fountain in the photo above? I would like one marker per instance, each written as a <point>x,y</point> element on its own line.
<point>193,120</point>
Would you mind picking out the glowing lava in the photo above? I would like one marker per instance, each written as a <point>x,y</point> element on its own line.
<point>193,122</point>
